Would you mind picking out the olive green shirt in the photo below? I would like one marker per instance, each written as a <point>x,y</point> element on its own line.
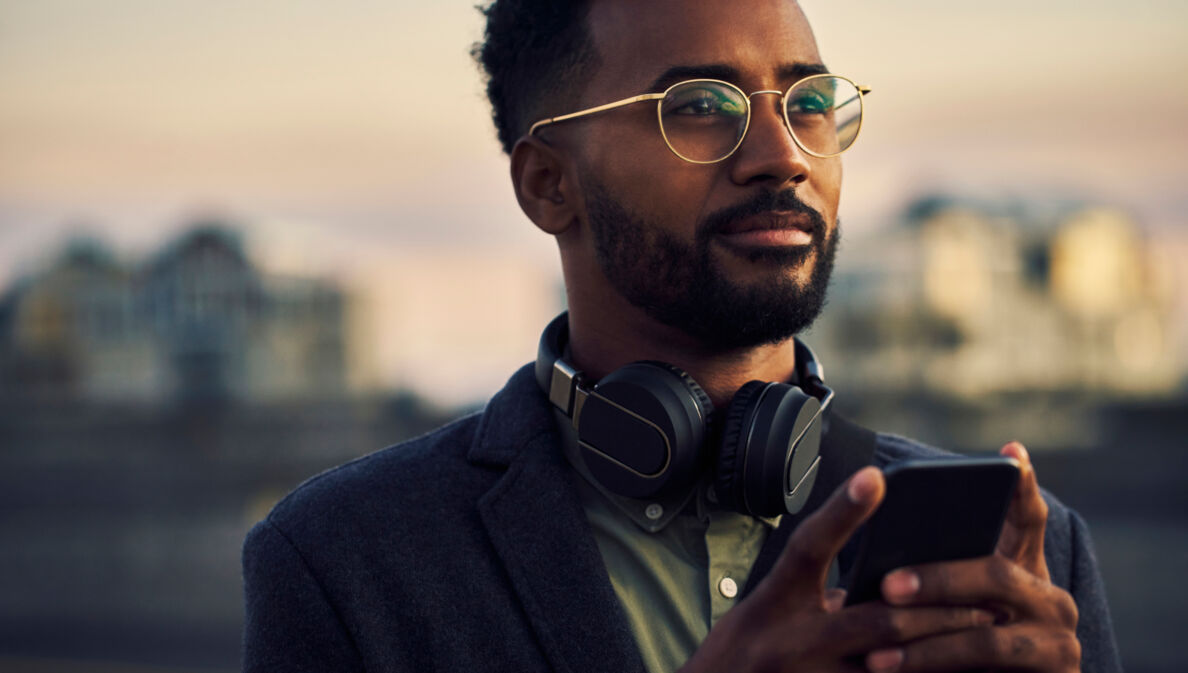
<point>677,564</point>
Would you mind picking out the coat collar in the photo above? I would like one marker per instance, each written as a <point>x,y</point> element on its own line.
<point>539,530</point>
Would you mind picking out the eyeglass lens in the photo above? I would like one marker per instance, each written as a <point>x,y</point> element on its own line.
<point>705,121</point>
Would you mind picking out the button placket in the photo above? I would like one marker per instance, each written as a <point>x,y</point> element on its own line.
<point>732,541</point>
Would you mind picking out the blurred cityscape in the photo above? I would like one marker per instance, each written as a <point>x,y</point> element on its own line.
<point>151,411</point>
<point>196,322</point>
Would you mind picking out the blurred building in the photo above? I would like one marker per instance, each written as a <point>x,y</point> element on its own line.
<point>196,321</point>
<point>972,299</point>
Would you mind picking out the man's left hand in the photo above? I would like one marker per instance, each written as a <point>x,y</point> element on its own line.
<point>1036,625</point>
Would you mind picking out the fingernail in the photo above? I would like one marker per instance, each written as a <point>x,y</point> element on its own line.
<point>983,617</point>
<point>1019,451</point>
<point>900,585</point>
<point>863,486</point>
<point>834,599</point>
<point>884,661</point>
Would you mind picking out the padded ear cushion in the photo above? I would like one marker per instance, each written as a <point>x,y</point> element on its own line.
<point>728,477</point>
<point>699,395</point>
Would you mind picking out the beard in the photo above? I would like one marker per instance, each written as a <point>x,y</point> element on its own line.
<point>680,285</point>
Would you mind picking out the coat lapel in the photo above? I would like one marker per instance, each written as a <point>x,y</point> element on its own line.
<point>539,530</point>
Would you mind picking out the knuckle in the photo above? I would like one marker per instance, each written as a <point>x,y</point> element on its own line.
<point>970,618</point>
<point>1021,647</point>
<point>1069,650</point>
<point>988,644</point>
<point>1001,573</point>
<point>838,630</point>
<point>890,625</point>
<point>1040,513</point>
<point>1066,610</point>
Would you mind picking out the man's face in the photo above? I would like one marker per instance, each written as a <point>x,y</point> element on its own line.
<point>736,253</point>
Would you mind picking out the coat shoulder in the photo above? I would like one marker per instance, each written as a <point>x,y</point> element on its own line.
<point>414,486</point>
<point>394,476</point>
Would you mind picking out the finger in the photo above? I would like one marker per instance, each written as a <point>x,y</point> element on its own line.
<point>803,565</point>
<point>1022,538</point>
<point>1023,647</point>
<point>990,581</point>
<point>874,625</point>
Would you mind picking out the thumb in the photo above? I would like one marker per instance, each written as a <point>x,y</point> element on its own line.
<point>801,571</point>
<point>1022,538</point>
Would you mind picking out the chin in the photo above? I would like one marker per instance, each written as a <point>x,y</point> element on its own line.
<point>762,264</point>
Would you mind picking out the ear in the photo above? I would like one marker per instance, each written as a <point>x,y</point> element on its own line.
<point>543,188</point>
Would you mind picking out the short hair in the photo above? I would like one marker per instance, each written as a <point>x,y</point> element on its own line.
<point>536,55</point>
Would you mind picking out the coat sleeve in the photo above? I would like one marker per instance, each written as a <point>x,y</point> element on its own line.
<point>290,625</point>
<point>1095,630</point>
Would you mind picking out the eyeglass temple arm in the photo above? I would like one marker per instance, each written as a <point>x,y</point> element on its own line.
<point>593,110</point>
<point>862,91</point>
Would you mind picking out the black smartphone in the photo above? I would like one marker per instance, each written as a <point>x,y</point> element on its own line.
<point>941,509</point>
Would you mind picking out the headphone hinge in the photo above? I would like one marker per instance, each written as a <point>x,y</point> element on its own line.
<point>580,395</point>
<point>562,385</point>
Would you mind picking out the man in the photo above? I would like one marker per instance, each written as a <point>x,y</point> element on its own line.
<point>697,229</point>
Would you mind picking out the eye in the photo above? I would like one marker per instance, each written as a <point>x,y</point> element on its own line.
<point>810,101</point>
<point>704,101</point>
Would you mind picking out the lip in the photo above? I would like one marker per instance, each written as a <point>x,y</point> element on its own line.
<point>770,230</point>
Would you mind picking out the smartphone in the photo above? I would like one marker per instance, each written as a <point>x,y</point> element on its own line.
<point>941,509</point>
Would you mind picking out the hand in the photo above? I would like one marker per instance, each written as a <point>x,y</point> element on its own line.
<point>1035,626</point>
<point>791,623</point>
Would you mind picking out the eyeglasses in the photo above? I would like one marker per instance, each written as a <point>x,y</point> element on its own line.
<point>703,121</point>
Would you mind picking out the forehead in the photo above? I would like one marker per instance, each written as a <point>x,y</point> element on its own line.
<point>637,40</point>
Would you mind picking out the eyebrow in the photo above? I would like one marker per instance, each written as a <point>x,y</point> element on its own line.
<point>679,73</point>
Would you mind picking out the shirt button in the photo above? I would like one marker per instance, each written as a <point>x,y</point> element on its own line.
<point>654,511</point>
<point>728,587</point>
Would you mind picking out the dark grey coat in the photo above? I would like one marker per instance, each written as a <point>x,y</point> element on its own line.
<point>468,550</point>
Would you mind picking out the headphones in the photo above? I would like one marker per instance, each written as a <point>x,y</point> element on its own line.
<point>647,427</point>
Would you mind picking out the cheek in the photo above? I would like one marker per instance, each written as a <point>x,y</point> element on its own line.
<point>650,181</point>
<point>621,139</point>
<point>826,182</point>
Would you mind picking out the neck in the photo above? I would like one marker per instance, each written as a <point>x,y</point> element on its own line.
<point>600,346</point>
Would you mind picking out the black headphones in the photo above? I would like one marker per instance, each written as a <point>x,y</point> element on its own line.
<point>641,429</point>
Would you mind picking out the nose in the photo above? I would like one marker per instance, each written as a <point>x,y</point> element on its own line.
<point>768,153</point>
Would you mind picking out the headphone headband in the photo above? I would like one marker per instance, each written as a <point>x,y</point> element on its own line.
<point>561,382</point>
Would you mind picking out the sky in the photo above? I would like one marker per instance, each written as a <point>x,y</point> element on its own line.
<point>344,136</point>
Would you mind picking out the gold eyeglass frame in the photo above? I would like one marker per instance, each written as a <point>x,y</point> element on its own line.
<point>659,98</point>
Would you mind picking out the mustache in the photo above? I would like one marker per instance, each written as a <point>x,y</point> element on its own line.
<point>769,201</point>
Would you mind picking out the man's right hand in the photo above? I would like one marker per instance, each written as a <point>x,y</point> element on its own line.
<point>792,623</point>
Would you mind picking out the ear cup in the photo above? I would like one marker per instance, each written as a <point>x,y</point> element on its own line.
<point>728,479</point>
<point>642,427</point>
<point>771,449</point>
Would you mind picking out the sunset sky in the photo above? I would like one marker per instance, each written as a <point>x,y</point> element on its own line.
<point>342,136</point>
